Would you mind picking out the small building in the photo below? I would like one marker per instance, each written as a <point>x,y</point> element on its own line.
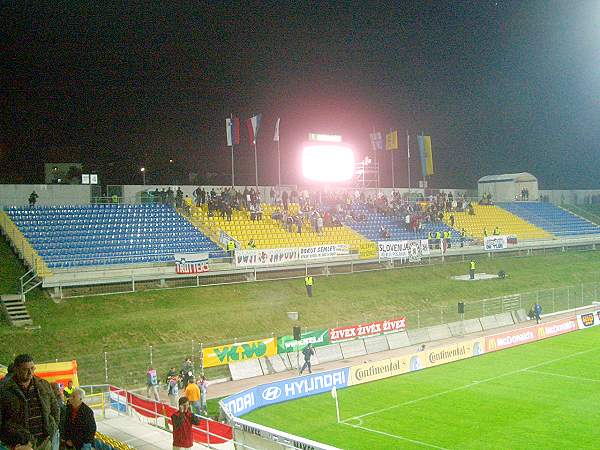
<point>508,187</point>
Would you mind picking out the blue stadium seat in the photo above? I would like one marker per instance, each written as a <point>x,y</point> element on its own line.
<point>90,235</point>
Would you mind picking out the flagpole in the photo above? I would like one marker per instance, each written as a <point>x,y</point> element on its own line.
<point>278,163</point>
<point>374,145</point>
<point>255,164</point>
<point>232,165</point>
<point>408,157</point>
<point>393,180</point>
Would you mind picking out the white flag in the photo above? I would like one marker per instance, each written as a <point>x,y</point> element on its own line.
<point>276,137</point>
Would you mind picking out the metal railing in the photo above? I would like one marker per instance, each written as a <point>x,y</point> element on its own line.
<point>127,366</point>
<point>22,246</point>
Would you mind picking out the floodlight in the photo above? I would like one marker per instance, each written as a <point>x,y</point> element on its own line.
<point>327,162</point>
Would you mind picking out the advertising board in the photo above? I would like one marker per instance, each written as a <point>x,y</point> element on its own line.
<point>317,338</point>
<point>240,351</point>
<point>530,334</point>
<point>285,390</point>
<point>189,263</point>
<point>367,329</point>
<point>587,320</point>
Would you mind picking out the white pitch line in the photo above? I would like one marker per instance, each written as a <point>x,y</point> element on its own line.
<point>560,375</point>
<point>466,386</point>
<point>414,441</point>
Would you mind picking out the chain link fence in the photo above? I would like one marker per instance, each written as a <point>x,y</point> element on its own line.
<point>127,367</point>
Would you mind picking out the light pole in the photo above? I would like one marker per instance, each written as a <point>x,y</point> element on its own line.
<point>143,170</point>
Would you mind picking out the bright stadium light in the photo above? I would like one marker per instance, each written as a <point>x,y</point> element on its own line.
<point>327,162</point>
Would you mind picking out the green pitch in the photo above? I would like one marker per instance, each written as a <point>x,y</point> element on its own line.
<point>540,395</point>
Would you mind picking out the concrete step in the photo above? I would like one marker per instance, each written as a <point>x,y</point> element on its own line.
<point>15,310</point>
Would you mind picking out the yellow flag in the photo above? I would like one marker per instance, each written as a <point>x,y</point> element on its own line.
<point>428,155</point>
<point>391,140</point>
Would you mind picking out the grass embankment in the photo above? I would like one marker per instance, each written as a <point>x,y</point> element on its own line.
<point>83,328</point>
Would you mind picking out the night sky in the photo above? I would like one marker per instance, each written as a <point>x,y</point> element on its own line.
<point>500,86</point>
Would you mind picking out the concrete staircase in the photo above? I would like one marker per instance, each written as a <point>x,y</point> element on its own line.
<point>15,310</point>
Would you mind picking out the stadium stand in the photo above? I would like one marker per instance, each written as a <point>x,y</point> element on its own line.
<point>90,235</point>
<point>373,221</point>
<point>551,218</point>
<point>270,233</point>
<point>489,217</point>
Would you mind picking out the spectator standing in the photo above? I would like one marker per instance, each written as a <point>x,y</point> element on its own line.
<point>179,198</point>
<point>60,399</point>
<point>187,371</point>
<point>308,353</point>
<point>173,389</point>
<point>80,425</point>
<point>183,420</point>
<point>33,198</point>
<point>203,385</point>
<point>192,392</point>
<point>28,405</point>
<point>537,310</point>
<point>152,384</point>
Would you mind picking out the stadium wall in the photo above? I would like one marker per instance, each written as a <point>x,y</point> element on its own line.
<point>49,194</point>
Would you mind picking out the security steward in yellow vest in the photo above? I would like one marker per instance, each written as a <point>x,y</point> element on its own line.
<point>68,390</point>
<point>472,269</point>
<point>308,282</point>
<point>230,248</point>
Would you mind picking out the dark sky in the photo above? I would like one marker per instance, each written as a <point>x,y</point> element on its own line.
<point>500,86</point>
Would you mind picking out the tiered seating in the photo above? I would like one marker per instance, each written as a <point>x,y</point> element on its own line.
<point>489,217</point>
<point>371,226</point>
<point>69,236</point>
<point>270,233</point>
<point>552,218</point>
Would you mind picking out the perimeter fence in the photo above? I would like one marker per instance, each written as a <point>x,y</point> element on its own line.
<point>126,367</point>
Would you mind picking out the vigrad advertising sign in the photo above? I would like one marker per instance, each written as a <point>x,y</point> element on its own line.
<point>367,329</point>
<point>231,353</point>
<point>190,263</point>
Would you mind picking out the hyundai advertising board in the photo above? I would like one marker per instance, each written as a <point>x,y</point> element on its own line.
<point>283,391</point>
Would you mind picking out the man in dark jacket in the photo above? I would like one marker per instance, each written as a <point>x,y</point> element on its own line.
<point>28,404</point>
<point>80,425</point>
<point>308,352</point>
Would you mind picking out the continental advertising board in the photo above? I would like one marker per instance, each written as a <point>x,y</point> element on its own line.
<point>378,370</point>
<point>285,390</point>
<point>240,351</point>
